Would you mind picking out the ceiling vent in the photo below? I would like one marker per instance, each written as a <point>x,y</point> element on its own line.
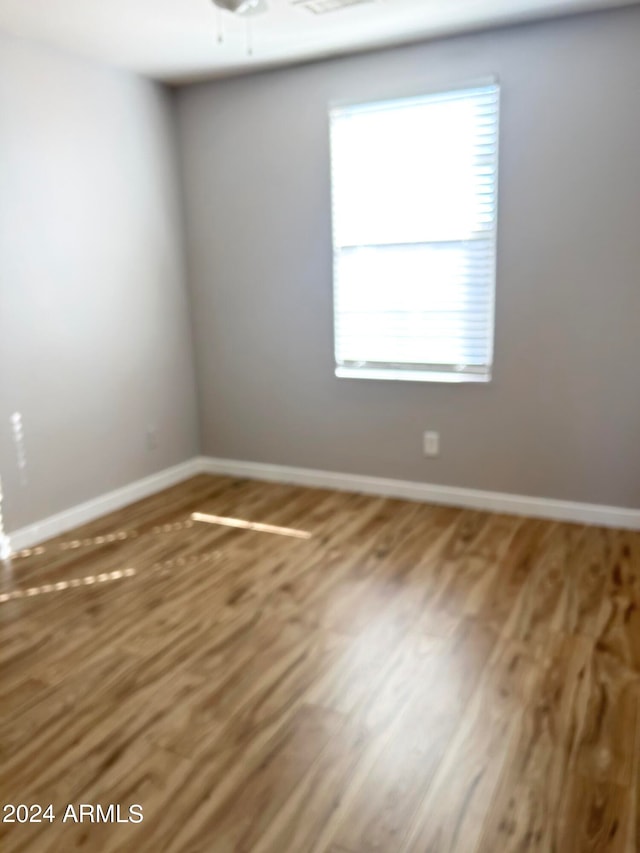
<point>321,7</point>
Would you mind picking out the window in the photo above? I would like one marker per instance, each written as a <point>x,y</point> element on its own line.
<point>414,229</point>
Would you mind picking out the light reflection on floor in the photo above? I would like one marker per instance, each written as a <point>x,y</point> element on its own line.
<point>59,586</point>
<point>122,535</point>
<point>163,567</point>
<point>105,539</point>
<point>250,525</point>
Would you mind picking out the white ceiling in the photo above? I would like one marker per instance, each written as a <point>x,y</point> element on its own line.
<point>177,39</point>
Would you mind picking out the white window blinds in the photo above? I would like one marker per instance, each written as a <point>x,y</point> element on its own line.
<point>414,225</point>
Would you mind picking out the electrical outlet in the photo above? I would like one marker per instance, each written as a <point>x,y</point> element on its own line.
<point>431,443</point>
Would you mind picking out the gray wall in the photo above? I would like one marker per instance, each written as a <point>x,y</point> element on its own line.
<point>561,418</point>
<point>94,326</point>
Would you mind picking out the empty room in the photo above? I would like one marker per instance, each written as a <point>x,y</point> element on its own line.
<point>320,426</point>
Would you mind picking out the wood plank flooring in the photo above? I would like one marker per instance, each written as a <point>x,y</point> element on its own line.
<point>409,678</point>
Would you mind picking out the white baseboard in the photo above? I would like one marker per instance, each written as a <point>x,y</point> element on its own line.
<point>581,513</point>
<point>82,513</point>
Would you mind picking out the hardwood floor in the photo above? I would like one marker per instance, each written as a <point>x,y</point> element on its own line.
<point>407,679</point>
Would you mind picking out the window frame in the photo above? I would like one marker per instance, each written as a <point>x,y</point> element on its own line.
<point>388,371</point>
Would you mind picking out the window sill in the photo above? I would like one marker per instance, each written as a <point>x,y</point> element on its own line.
<point>410,375</point>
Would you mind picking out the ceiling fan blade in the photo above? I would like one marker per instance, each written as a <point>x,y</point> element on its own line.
<point>244,8</point>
